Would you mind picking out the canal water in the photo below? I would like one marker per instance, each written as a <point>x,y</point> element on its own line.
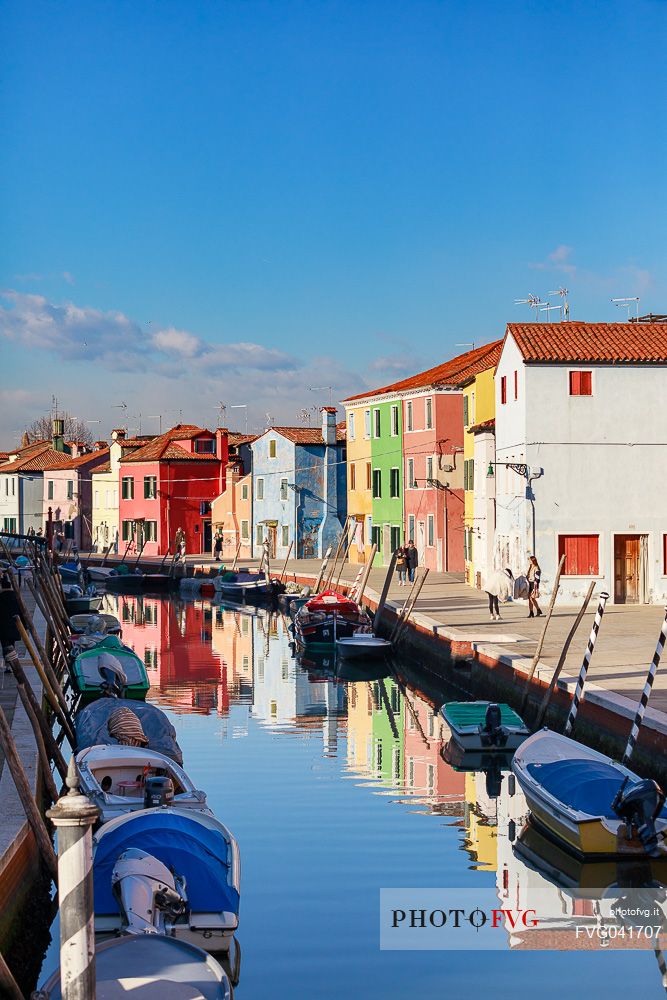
<point>336,788</point>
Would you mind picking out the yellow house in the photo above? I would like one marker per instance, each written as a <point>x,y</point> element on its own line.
<point>104,527</point>
<point>359,479</point>
<point>360,727</point>
<point>479,411</point>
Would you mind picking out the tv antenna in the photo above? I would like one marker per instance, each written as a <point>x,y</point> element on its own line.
<point>547,307</point>
<point>303,416</point>
<point>626,303</point>
<point>534,301</point>
<point>470,344</point>
<point>321,388</point>
<point>269,419</point>
<point>565,308</point>
<point>222,409</point>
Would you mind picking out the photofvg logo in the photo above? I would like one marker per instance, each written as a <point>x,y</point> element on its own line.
<point>448,919</point>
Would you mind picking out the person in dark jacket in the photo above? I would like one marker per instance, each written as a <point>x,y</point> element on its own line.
<point>9,634</point>
<point>413,560</point>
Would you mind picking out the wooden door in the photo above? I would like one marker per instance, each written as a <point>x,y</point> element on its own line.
<point>626,569</point>
<point>273,536</point>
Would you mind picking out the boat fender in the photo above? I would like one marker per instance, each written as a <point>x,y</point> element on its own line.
<point>158,791</point>
<point>639,808</point>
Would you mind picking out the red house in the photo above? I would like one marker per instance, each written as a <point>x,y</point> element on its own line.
<point>168,484</point>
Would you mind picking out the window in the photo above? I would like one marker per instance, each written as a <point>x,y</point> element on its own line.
<point>394,421</point>
<point>127,487</point>
<point>377,425</point>
<point>353,476</point>
<point>150,487</point>
<point>283,489</point>
<point>49,489</point>
<point>127,530</point>
<point>581,554</point>
<point>503,389</point>
<point>244,491</point>
<point>430,531</point>
<point>411,528</point>
<point>272,448</point>
<point>367,423</point>
<point>97,498</point>
<point>581,383</point>
<point>376,538</point>
<point>377,484</point>
<point>664,555</point>
<point>9,524</point>
<point>259,489</point>
<point>259,534</point>
<point>469,474</point>
<point>368,476</point>
<point>150,531</point>
<point>429,467</point>
<point>466,415</point>
<point>516,385</point>
<point>429,413</point>
<point>350,427</point>
<point>245,531</point>
<point>395,537</point>
<point>394,489</point>
<point>150,659</point>
<point>411,474</point>
<point>467,544</point>
<point>408,416</point>
<point>284,540</point>
<point>70,489</point>
<point>205,446</point>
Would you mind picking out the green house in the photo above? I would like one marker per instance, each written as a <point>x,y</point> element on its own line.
<point>387,476</point>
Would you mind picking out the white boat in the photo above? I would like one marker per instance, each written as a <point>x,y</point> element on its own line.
<point>244,585</point>
<point>202,856</point>
<point>362,645</point>
<point>118,780</point>
<point>151,967</point>
<point>99,574</point>
<point>590,803</point>
<point>484,726</point>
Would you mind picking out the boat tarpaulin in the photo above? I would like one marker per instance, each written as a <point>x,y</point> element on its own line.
<point>91,726</point>
<point>189,848</point>
<point>588,786</point>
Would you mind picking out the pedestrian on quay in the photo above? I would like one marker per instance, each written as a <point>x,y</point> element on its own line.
<point>413,560</point>
<point>499,586</point>
<point>533,575</point>
<point>217,545</point>
<point>401,564</point>
<point>180,544</point>
<point>9,634</point>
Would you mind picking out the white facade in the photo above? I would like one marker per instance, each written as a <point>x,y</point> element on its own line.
<point>9,502</point>
<point>603,458</point>
<point>484,506</point>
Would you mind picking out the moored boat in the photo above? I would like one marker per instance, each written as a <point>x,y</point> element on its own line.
<point>80,623</point>
<point>243,584</point>
<point>362,645</point>
<point>327,617</point>
<point>108,722</point>
<point>78,602</point>
<point>197,849</point>
<point>484,726</point>
<point>109,669</point>
<point>123,779</point>
<point>590,803</point>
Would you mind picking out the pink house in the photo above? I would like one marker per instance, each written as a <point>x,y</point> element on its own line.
<point>68,494</point>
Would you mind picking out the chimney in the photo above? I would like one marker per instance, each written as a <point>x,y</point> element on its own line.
<point>58,440</point>
<point>118,434</point>
<point>329,424</point>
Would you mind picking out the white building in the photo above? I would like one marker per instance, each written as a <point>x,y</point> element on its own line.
<point>581,456</point>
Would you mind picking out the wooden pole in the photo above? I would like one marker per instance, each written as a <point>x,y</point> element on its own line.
<point>346,552</point>
<point>236,556</point>
<point>367,572</point>
<point>385,590</point>
<point>41,746</point>
<point>581,680</point>
<point>318,582</point>
<point>50,695</point>
<point>538,650</point>
<point>563,657</point>
<point>646,693</point>
<point>408,608</point>
<point>52,747</point>
<point>9,986</point>
<point>50,672</point>
<point>289,553</point>
<point>341,543</point>
<point>25,795</point>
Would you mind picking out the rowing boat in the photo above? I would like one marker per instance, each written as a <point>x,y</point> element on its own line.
<point>484,726</point>
<point>109,668</point>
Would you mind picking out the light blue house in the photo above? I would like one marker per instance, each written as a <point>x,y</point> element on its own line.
<point>299,488</point>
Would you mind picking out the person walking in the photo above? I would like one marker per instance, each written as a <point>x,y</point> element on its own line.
<point>217,546</point>
<point>180,544</point>
<point>9,633</point>
<point>533,575</point>
<point>401,564</point>
<point>413,560</point>
<point>499,586</point>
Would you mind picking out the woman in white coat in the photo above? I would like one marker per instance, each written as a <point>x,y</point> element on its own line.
<point>499,586</point>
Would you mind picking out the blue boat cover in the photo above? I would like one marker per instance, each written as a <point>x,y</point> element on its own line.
<point>188,848</point>
<point>588,786</point>
<point>90,725</point>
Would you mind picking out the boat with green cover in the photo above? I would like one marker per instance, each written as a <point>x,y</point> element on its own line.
<point>484,726</point>
<point>109,668</point>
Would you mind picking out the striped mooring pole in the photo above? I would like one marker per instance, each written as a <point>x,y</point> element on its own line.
<point>646,693</point>
<point>73,817</point>
<point>581,680</point>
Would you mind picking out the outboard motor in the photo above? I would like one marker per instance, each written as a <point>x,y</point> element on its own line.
<point>639,807</point>
<point>114,678</point>
<point>493,732</point>
<point>147,892</point>
<point>158,791</point>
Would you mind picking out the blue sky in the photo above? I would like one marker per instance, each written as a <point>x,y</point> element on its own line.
<point>341,192</point>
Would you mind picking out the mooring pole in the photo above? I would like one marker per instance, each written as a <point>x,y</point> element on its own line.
<point>74,816</point>
<point>385,590</point>
<point>646,693</point>
<point>323,567</point>
<point>581,680</point>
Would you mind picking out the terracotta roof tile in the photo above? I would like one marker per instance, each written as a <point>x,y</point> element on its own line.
<point>102,468</point>
<point>236,440</point>
<point>306,435</point>
<point>38,461</point>
<point>453,372</point>
<point>611,343</point>
<point>81,460</point>
<point>164,448</point>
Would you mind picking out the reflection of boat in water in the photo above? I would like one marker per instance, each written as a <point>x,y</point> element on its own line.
<point>484,726</point>
<point>590,803</point>
<point>201,854</point>
<point>137,963</point>
<point>359,670</point>
<point>493,765</point>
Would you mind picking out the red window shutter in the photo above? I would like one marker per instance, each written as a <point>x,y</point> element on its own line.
<point>586,383</point>
<point>575,383</point>
<point>503,389</point>
<point>664,554</point>
<point>516,385</point>
<point>581,554</point>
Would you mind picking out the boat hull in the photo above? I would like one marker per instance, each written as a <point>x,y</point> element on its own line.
<point>82,605</point>
<point>466,722</point>
<point>362,649</point>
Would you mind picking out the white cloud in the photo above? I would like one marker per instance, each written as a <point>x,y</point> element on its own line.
<point>174,341</point>
<point>557,260</point>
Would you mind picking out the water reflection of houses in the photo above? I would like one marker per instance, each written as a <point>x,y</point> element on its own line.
<point>426,773</point>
